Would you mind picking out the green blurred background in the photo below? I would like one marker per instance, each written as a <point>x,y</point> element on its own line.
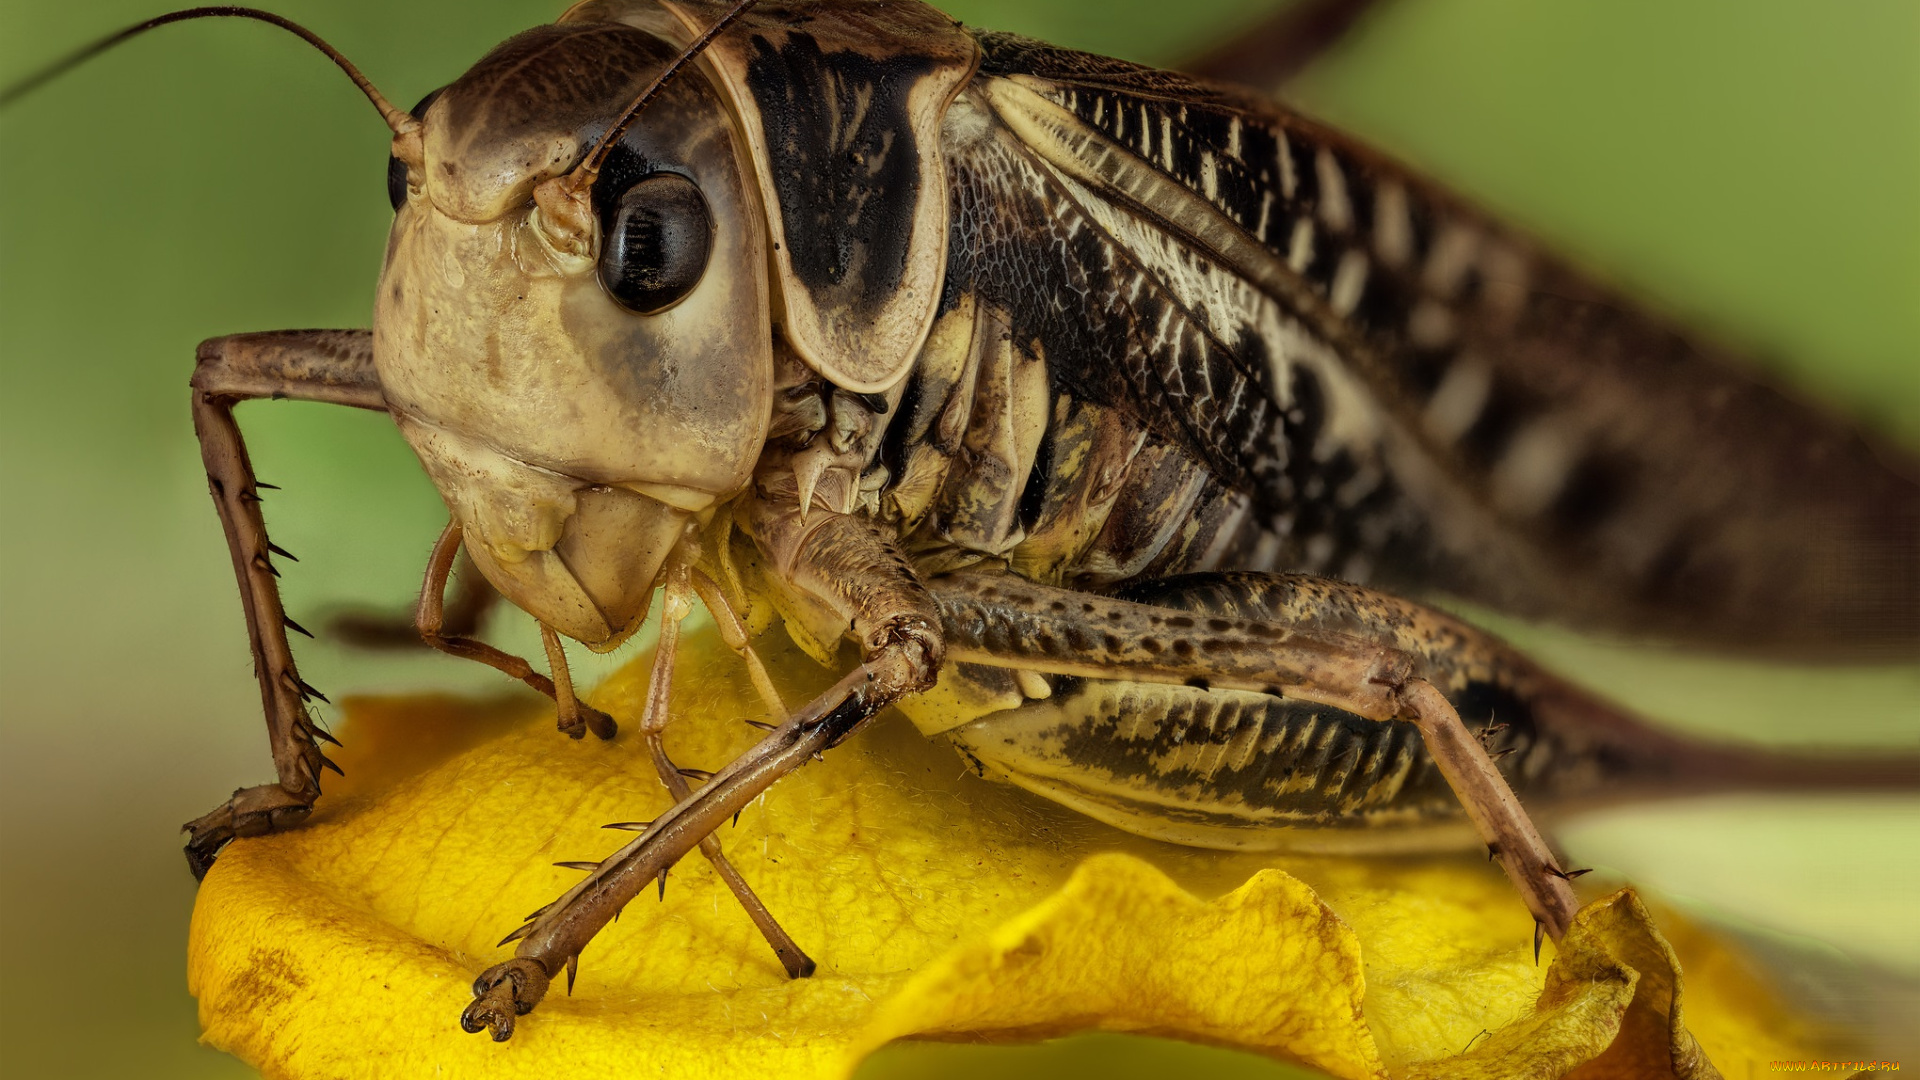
<point>1754,166</point>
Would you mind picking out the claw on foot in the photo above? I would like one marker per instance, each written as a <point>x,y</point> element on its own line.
<point>253,811</point>
<point>503,992</point>
<point>590,719</point>
<point>599,723</point>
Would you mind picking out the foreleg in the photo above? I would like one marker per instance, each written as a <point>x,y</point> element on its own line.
<point>575,717</point>
<point>333,366</point>
<point>468,600</point>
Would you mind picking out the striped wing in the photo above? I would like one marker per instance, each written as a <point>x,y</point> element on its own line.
<point>1397,388</point>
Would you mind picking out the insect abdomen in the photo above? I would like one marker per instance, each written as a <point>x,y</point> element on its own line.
<point>1211,768</point>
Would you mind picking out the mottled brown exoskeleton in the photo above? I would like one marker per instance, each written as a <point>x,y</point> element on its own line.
<point>1109,413</point>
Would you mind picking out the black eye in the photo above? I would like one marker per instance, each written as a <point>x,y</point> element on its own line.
<point>657,240</point>
<point>396,182</point>
<point>396,172</point>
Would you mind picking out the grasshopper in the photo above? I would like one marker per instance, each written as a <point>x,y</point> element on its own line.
<point>1074,394</point>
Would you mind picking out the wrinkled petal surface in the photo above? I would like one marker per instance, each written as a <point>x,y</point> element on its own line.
<point>938,906</point>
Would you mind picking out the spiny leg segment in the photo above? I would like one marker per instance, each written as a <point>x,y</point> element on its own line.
<point>889,613</point>
<point>575,717</point>
<point>554,935</point>
<point>331,366</point>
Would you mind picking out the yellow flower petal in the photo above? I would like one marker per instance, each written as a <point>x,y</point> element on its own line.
<point>937,905</point>
<point>1266,967</point>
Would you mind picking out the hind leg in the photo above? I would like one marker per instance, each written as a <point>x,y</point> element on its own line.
<point>1349,666</point>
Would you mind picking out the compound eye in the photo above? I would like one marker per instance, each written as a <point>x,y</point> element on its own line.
<point>396,182</point>
<point>396,169</point>
<point>656,243</point>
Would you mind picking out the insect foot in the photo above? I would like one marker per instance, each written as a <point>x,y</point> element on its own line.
<point>503,992</point>
<point>586,719</point>
<point>252,811</point>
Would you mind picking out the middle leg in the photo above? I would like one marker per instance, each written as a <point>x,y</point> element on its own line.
<point>676,604</point>
<point>861,570</point>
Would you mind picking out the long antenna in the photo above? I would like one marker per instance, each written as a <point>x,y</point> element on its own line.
<point>584,175</point>
<point>398,120</point>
